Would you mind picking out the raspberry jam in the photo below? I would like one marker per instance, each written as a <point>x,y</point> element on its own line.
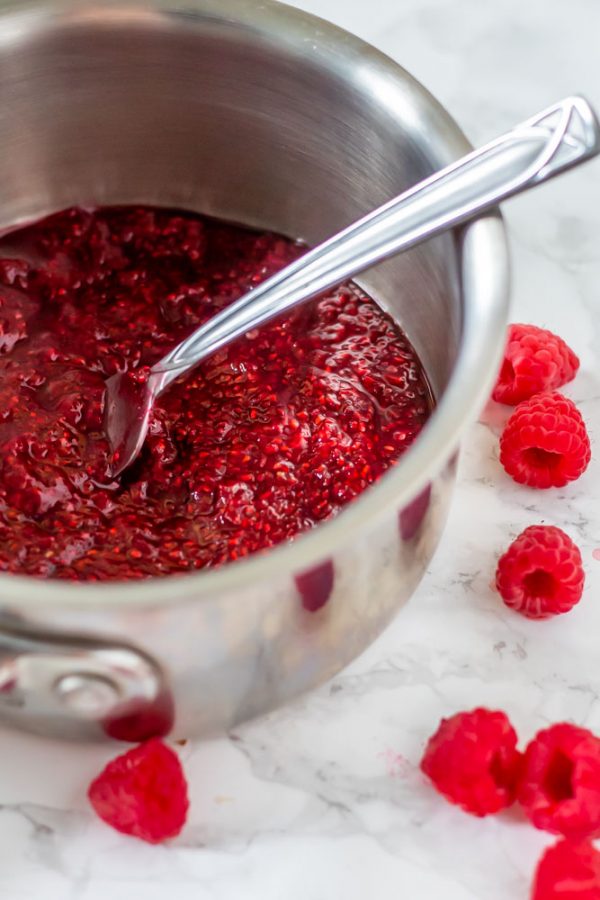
<point>262,441</point>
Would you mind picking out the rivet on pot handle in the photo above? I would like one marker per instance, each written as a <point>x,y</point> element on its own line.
<point>81,687</point>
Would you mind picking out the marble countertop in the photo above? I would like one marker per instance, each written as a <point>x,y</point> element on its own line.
<point>323,800</point>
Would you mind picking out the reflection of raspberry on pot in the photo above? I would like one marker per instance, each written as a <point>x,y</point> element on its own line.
<point>315,585</point>
<point>141,721</point>
<point>412,516</point>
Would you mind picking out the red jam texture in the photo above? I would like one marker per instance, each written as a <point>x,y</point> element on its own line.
<point>264,440</point>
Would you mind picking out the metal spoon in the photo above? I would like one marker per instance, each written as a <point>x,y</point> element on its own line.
<point>558,138</point>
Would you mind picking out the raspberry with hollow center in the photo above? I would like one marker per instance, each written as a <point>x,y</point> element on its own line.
<point>560,784</point>
<point>541,574</point>
<point>568,871</point>
<point>143,793</point>
<point>534,360</point>
<point>545,442</point>
<point>473,760</point>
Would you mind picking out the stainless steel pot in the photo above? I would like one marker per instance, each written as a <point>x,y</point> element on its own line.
<point>257,113</point>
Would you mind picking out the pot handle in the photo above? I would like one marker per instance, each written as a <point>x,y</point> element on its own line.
<point>81,688</point>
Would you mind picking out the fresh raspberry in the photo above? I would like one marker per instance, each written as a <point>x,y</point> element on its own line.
<point>473,760</point>
<point>568,871</point>
<point>143,793</point>
<point>534,360</point>
<point>541,573</point>
<point>560,783</point>
<point>545,442</point>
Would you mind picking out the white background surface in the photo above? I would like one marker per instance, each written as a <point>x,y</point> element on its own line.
<point>324,801</point>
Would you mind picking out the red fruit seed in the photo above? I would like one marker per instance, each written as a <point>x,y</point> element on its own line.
<point>315,585</point>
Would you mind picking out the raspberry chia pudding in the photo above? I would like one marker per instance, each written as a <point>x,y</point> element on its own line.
<point>264,440</point>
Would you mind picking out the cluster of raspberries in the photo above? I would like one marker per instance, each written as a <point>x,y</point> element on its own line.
<point>473,760</point>
<point>544,444</point>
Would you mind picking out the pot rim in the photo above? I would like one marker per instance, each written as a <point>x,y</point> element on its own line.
<point>483,256</point>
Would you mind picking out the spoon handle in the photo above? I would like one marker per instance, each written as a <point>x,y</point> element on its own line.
<point>558,138</point>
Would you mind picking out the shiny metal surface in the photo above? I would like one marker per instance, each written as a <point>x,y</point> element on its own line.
<point>257,113</point>
<point>67,687</point>
<point>557,139</point>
